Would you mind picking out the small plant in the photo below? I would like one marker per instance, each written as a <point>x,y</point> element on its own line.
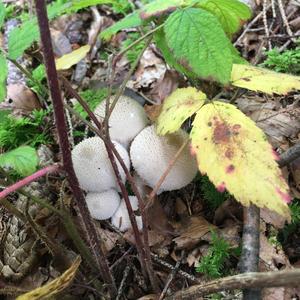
<point>294,225</point>
<point>15,132</point>
<point>286,62</point>
<point>133,53</point>
<point>211,196</point>
<point>212,265</point>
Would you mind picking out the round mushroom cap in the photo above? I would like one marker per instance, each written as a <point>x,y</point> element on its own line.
<point>121,218</point>
<point>103,205</point>
<point>126,121</point>
<point>151,154</point>
<point>93,167</point>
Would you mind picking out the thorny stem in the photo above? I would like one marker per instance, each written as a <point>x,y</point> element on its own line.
<point>145,260</point>
<point>58,108</point>
<point>21,183</point>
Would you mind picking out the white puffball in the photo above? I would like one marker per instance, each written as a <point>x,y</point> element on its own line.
<point>121,218</point>
<point>93,167</point>
<point>103,205</point>
<point>126,121</point>
<point>151,155</point>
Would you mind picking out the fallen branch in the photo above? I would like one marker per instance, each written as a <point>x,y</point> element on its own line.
<point>241,281</point>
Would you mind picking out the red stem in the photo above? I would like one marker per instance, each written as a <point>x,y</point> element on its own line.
<point>60,122</point>
<point>18,185</point>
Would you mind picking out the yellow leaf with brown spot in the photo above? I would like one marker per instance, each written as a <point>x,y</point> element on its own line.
<point>236,156</point>
<point>54,287</point>
<point>179,106</point>
<point>263,80</point>
<point>68,60</point>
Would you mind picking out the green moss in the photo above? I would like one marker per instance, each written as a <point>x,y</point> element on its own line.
<point>31,130</point>
<point>133,53</point>
<point>212,265</point>
<point>92,98</point>
<point>291,228</point>
<point>286,62</point>
<point>210,194</point>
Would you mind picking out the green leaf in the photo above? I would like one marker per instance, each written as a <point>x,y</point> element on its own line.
<point>132,20</point>
<point>22,37</point>
<point>230,13</point>
<point>80,4</point>
<point>23,160</point>
<point>199,43</point>
<point>179,106</point>
<point>3,75</point>
<point>263,80</point>
<point>235,155</point>
<point>2,13</point>
<point>161,43</point>
<point>159,7</point>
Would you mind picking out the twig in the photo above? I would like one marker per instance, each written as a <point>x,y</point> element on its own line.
<point>289,155</point>
<point>285,20</point>
<point>171,277</point>
<point>250,250</point>
<point>244,281</point>
<point>169,266</point>
<point>265,21</point>
<point>58,108</point>
<point>21,183</point>
<point>122,284</point>
<point>250,25</point>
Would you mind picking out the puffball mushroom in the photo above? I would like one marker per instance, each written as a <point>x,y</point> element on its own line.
<point>121,218</point>
<point>151,154</point>
<point>126,121</point>
<point>103,205</point>
<point>93,167</point>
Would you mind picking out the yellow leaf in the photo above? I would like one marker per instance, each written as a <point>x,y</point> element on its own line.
<point>68,60</point>
<point>236,156</point>
<point>263,80</point>
<point>176,108</point>
<point>54,287</point>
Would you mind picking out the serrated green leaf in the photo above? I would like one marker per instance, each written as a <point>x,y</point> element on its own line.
<point>2,13</point>
<point>3,75</point>
<point>159,7</point>
<point>132,20</point>
<point>20,38</point>
<point>230,13</point>
<point>23,160</point>
<point>68,60</point>
<point>160,41</point>
<point>179,106</point>
<point>263,80</point>
<point>199,43</point>
<point>236,156</point>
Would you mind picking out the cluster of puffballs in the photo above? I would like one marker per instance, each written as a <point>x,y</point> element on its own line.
<point>140,148</point>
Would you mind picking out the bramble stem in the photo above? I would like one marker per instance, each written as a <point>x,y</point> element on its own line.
<point>92,237</point>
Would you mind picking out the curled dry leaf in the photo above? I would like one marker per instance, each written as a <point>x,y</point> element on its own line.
<point>150,70</point>
<point>20,99</point>
<point>191,231</point>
